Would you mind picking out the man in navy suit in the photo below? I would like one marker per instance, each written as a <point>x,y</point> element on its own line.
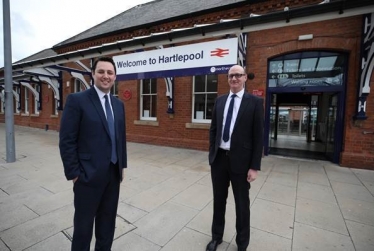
<point>235,152</point>
<point>93,152</point>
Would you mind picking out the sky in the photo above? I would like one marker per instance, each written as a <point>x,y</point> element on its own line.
<point>40,24</point>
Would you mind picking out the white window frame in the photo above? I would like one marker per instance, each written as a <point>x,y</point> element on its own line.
<point>2,102</point>
<point>36,105</point>
<point>153,95</point>
<point>204,121</point>
<point>114,89</point>
<point>26,100</point>
<point>56,106</point>
<point>78,85</point>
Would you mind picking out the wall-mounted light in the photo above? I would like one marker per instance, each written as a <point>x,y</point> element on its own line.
<point>306,37</point>
<point>67,83</point>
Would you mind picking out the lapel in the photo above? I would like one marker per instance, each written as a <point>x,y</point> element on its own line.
<point>221,109</point>
<point>242,108</point>
<point>116,112</point>
<point>99,108</point>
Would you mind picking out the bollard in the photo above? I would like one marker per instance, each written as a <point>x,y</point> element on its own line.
<point>46,127</point>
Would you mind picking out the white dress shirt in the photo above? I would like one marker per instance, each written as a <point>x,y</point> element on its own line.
<point>102,100</point>
<point>237,101</point>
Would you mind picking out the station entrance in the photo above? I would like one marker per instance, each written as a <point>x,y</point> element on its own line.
<point>305,105</point>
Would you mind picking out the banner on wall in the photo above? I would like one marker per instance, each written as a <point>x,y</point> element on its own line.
<point>215,57</point>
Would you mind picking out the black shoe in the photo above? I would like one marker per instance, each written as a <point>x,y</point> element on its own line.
<point>242,249</point>
<point>213,244</point>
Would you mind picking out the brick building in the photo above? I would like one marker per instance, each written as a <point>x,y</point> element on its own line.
<point>312,62</point>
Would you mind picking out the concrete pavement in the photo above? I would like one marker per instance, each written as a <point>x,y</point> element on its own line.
<point>166,201</point>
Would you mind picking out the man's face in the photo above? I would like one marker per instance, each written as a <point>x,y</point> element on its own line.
<point>104,76</point>
<point>236,78</point>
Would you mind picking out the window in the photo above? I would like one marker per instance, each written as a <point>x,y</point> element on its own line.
<point>54,104</point>
<point>79,85</point>
<point>204,95</point>
<point>26,104</point>
<point>56,107</point>
<point>2,101</point>
<point>36,103</point>
<point>148,99</point>
<point>16,100</point>
<point>114,89</point>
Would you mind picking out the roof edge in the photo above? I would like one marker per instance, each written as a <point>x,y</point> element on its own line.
<point>233,5</point>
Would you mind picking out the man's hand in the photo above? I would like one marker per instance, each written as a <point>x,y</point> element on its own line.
<point>75,179</point>
<point>252,175</point>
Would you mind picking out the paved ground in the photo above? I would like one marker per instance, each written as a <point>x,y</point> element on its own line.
<point>166,201</point>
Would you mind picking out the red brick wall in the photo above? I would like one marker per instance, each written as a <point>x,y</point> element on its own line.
<point>171,129</point>
<point>45,117</point>
<point>342,35</point>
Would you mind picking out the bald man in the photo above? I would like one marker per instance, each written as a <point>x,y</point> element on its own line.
<point>235,152</point>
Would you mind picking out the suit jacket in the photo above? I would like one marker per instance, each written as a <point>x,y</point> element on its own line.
<point>247,136</point>
<point>85,144</point>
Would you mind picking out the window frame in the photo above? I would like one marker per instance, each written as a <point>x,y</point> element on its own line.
<point>152,95</point>
<point>206,93</point>
<point>36,103</point>
<point>26,101</point>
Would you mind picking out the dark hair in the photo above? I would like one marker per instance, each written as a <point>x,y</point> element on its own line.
<point>104,59</point>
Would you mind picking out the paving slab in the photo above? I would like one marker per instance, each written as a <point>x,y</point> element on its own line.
<point>285,179</point>
<point>261,240</point>
<point>319,214</point>
<point>196,196</point>
<point>152,198</point>
<point>169,217</point>
<point>38,229</point>
<point>129,213</point>
<point>58,242</point>
<point>273,217</point>
<point>202,222</point>
<point>352,191</point>
<point>314,178</point>
<point>166,201</point>
<point>346,176</point>
<point>316,192</point>
<point>188,239</point>
<point>278,193</point>
<point>357,210</point>
<point>315,239</point>
<point>132,241</point>
<point>13,214</point>
<point>362,236</point>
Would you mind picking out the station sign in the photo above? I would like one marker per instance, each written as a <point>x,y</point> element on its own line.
<point>215,57</point>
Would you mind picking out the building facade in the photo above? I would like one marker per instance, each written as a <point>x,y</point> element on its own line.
<point>311,61</point>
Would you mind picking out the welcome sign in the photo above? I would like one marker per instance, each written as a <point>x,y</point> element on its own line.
<point>194,59</point>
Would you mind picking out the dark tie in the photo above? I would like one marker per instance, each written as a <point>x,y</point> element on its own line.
<point>110,120</point>
<point>226,131</point>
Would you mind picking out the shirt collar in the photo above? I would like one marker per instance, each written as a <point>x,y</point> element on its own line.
<point>100,93</point>
<point>238,94</point>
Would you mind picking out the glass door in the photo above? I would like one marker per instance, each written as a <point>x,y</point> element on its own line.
<point>330,126</point>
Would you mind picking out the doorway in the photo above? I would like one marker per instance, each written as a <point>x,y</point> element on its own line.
<point>305,105</point>
<point>303,125</point>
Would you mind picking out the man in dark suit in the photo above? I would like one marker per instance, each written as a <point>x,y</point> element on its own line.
<point>93,152</point>
<point>235,152</point>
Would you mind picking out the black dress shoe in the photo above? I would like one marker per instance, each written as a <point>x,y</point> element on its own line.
<point>213,244</point>
<point>242,249</point>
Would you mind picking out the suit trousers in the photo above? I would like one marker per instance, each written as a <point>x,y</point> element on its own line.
<point>96,204</point>
<point>222,176</point>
